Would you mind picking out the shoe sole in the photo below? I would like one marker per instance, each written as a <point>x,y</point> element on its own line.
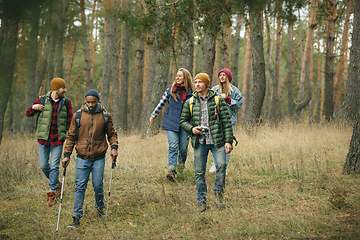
<point>72,227</point>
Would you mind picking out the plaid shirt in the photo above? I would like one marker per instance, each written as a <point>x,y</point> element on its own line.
<point>206,138</point>
<point>164,99</point>
<point>180,91</point>
<point>53,137</point>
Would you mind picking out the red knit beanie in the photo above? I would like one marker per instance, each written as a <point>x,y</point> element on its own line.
<point>227,72</point>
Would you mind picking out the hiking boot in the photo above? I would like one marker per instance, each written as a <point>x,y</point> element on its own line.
<point>58,190</point>
<point>171,175</point>
<point>51,199</point>
<point>201,207</point>
<point>219,200</point>
<point>100,212</point>
<point>213,168</point>
<point>75,224</point>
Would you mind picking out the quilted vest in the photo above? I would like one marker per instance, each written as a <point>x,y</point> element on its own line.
<point>45,117</point>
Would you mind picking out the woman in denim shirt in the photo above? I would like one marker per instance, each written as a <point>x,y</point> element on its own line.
<point>176,94</point>
<point>232,97</point>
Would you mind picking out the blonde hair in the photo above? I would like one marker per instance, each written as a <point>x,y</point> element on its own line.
<point>187,82</point>
<point>225,87</point>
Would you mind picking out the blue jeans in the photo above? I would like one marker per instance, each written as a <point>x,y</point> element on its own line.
<point>82,173</point>
<point>51,170</point>
<point>178,143</point>
<point>200,159</point>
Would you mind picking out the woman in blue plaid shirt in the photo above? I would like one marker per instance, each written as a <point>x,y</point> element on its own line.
<point>176,94</point>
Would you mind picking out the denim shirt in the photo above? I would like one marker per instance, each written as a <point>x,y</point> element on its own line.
<point>236,101</point>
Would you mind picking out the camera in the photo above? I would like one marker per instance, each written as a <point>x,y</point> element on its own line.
<point>204,129</point>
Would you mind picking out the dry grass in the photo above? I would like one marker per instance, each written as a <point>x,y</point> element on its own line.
<point>283,182</point>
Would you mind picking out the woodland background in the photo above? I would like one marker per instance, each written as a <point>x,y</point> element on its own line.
<point>295,62</point>
<point>291,59</point>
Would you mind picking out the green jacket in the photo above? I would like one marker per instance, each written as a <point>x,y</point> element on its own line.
<point>45,117</point>
<point>220,130</point>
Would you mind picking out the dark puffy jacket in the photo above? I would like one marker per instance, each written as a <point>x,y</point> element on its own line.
<point>173,113</point>
<point>221,132</point>
<point>91,143</point>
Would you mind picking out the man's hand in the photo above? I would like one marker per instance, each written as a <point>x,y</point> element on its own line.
<point>196,130</point>
<point>114,154</point>
<point>228,148</point>
<point>38,107</point>
<point>152,121</point>
<point>65,162</point>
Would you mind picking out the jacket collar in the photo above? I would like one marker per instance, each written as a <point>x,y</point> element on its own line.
<point>84,109</point>
<point>211,94</point>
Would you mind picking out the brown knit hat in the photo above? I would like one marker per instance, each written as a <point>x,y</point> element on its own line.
<point>204,77</point>
<point>57,83</point>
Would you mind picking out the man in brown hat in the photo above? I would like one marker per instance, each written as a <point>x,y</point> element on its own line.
<point>206,118</point>
<point>54,116</point>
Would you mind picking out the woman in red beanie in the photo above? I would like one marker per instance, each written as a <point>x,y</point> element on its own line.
<point>232,97</point>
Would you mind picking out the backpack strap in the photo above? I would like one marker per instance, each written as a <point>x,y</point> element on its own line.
<point>217,103</point>
<point>191,103</point>
<point>67,102</point>
<point>217,108</point>
<point>106,119</point>
<point>77,121</point>
<point>78,116</point>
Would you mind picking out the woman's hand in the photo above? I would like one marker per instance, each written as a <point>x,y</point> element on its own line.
<point>152,121</point>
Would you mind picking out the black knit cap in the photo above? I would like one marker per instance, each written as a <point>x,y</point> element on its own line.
<point>92,92</point>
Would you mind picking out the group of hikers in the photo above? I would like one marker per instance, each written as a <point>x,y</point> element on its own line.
<point>207,115</point>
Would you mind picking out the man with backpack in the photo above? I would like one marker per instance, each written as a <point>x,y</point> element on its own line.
<point>88,130</point>
<point>206,117</point>
<point>54,116</point>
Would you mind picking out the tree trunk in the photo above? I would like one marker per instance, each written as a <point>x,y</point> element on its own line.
<point>187,45</point>
<point>349,106</point>
<point>352,163</point>
<point>19,73</point>
<point>60,15</point>
<point>342,59</point>
<point>109,51</point>
<point>318,82</point>
<point>290,72</point>
<point>225,49</point>
<point>275,111</point>
<point>208,47</point>
<point>148,106</point>
<point>124,76</point>
<point>247,76</point>
<point>92,48</point>
<point>258,65</point>
<point>269,53</point>
<point>235,62</point>
<point>40,76</point>
<point>69,63</point>
<point>305,62</point>
<point>330,6</point>
<point>28,124</point>
<point>137,86</point>
<point>52,45</point>
<point>9,27</point>
<point>89,83</point>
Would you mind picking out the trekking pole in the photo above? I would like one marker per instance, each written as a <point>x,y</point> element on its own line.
<point>107,205</point>
<point>61,198</point>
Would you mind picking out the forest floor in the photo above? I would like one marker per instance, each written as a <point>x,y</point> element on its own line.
<point>282,183</point>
